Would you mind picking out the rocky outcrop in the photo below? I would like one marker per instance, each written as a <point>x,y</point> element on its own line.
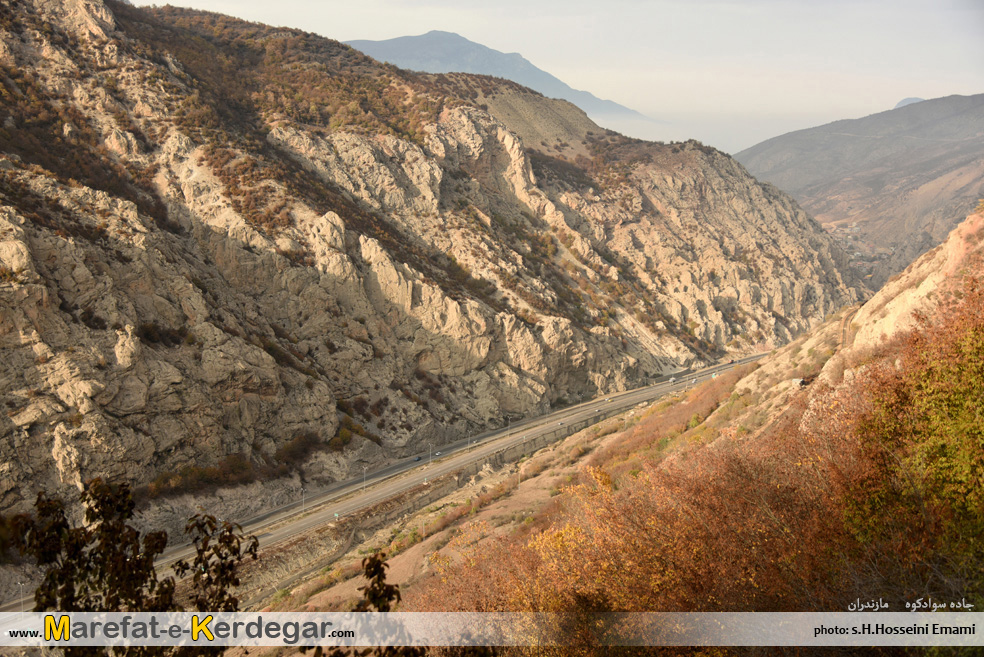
<point>204,299</point>
<point>921,285</point>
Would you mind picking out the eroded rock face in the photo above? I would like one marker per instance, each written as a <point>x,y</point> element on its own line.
<point>921,286</point>
<point>405,290</point>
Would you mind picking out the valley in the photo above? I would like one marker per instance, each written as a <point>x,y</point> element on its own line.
<point>251,272</point>
<point>216,287</point>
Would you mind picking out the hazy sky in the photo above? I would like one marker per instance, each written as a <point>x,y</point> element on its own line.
<point>728,72</point>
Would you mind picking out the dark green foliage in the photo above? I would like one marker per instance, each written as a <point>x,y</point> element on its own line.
<point>340,440</point>
<point>220,547</point>
<point>377,596</point>
<point>105,565</point>
<point>153,333</point>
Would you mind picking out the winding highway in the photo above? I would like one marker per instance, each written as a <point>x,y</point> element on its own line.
<point>323,506</point>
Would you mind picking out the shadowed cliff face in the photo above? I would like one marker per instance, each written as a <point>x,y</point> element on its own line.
<point>230,253</point>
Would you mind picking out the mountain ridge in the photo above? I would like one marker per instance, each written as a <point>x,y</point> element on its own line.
<point>903,178</point>
<point>242,255</point>
<point>439,51</point>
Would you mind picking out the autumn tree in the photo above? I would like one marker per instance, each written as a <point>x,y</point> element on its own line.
<point>916,501</point>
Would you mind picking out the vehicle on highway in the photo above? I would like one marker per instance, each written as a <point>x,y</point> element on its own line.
<point>437,453</point>
<point>694,381</point>
<point>609,399</point>
<point>672,379</point>
<point>418,458</point>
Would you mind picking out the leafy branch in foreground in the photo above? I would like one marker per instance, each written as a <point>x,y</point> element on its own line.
<point>102,565</point>
<point>380,596</point>
<point>105,565</point>
<point>219,549</point>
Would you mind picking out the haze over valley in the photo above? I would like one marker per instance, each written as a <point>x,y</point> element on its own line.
<point>445,52</point>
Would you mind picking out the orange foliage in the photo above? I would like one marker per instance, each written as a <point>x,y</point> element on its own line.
<point>870,490</point>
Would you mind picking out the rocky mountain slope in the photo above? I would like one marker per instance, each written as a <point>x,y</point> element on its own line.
<point>231,253</point>
<point>891,185</point>
<point>447,52</point>
<point>814,471</point>
<point>919,288</point>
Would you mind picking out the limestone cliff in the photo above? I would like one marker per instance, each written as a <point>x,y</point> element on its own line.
<point>920,287</point>
<point>232,253</point>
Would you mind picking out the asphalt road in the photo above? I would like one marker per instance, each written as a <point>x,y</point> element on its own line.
<point>322,506</point>
<point>351,496</point>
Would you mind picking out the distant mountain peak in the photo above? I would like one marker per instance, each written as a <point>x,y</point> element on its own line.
<point>908,101</point>
<point>439,51</point>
